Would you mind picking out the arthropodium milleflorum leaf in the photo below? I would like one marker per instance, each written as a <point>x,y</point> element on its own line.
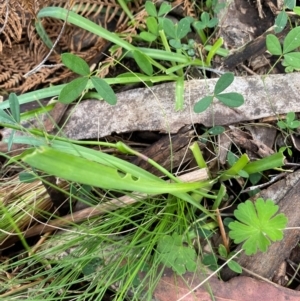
<point>82,170</point>
<point>256,226</point>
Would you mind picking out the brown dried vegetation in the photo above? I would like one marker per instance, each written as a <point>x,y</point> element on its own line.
<point>21,48</point>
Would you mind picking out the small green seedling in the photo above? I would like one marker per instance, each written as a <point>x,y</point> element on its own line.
<point>232,264</point>
<point>77,86</point>
<point>230,99</point>
<point>291,59</point>
<point>175,255</point>
<point>204,22</point>
<point>291,123</point>
<point>154,21</point>
<point>257,225</point>
<point>178,31</point>
<point>215,5</point>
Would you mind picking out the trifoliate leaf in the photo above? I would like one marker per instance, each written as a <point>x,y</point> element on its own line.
<point>175,255</point>
<point>234,266</point>
<point>75,63</point>
<point>223,82</point>
<point>256,226</point>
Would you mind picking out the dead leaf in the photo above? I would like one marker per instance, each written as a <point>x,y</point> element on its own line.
<point>172,288</point>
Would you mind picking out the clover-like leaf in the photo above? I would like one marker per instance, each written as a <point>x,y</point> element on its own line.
<point>175,255</point>
<point>256,226</point>
<point>231,99</point>
<point>203,104</point>
<point>273,44</point>
<point>75,63</point>
<point>72,90</point>
<point>223,82</point>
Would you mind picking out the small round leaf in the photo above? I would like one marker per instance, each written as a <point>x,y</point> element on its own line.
<point>104,90</point>
<point>143,62</point>
<point>280,22</point>
<point>75,63</point>
<point>273,45</point>
<point>72,90</point>
<point>216,130</point>
<point>292,40</point>
<point>223,82</point>
<point>292,59</point>
<point>234,266</point>
<point>231,99</point>
<point>148,36</point>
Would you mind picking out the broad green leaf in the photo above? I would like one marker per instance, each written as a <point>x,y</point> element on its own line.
<point>152,25</point>
<point>169,28</point>
<point>150,8</point>
<point>81,170</point>
<point>164,9</point>
<point>290,4</point>
<point>14,106</point>
<point>112,161</point>
<point>234,266</point>
<point>143,62</point>
<point>292,40</point>
<point>203,104</point>
<point>280,22</point>
<point>293,59</point>
<point>72,90</point>
<point>104,90</point>
<point>75,63</point>
<point>223,82</point>
<point>273,45</point>
<point>257,225</point>
<point>184,27</point>
<point>231,99</point>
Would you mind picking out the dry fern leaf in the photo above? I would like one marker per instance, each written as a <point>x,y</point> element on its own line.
<point>29,46</point>
<point>11,25</point>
